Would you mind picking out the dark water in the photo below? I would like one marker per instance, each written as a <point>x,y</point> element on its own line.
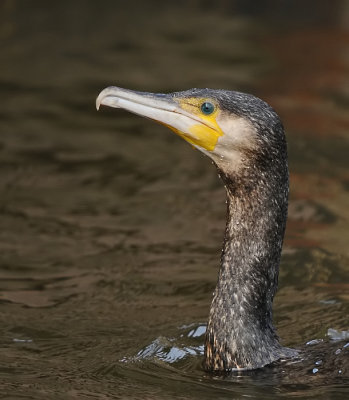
<point>111,226</point>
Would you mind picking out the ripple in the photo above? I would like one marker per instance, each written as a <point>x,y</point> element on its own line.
<point>333,334</point>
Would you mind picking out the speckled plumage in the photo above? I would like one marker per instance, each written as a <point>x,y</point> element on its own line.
<point>240,332</point>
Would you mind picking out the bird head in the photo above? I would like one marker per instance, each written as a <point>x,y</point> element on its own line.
<point>224,125</point>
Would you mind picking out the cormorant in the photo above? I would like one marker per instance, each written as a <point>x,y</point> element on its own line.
<point>245,139</point>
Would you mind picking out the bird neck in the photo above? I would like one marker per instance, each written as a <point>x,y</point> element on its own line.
<point>240,332</point>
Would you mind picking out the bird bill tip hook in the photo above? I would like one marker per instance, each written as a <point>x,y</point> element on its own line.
<point>102,96</point>
<point>99,101</point>
<point>108,97</point>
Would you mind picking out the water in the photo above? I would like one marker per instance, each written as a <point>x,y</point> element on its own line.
<point>111,226</point>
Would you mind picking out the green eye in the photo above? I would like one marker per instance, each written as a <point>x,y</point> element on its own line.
<point>207,108</point>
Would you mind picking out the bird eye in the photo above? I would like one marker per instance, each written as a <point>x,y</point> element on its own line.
<point>207,108</point>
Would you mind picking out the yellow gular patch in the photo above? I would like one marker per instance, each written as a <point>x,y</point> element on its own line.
<point>200,134</point>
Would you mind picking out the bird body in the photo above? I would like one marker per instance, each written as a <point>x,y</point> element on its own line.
<point>245,138</point>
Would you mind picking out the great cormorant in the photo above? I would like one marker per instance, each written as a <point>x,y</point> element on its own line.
<point>245,138</point>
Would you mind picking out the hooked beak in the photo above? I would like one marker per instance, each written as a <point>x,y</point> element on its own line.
<point>165,109</point>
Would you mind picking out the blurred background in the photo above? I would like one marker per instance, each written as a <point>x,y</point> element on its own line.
<point>111,226</point>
